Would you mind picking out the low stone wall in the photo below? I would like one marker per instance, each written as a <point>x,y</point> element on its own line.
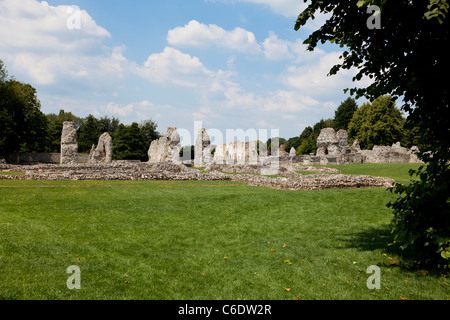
<point>30,157</point>
<point>285,179</point>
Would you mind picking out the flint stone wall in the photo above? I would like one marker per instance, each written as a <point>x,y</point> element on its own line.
<point>166,148</point>
<point>390,154</point>
<point>103,152</point>
<point>202,149</point>
<point>236,152</point>
<point>69,144</point>
<point>286,180</point>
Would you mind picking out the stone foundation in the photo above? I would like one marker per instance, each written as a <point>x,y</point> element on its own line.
<point>286,179</point>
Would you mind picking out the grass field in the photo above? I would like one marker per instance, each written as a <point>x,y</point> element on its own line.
<point>203,240</point>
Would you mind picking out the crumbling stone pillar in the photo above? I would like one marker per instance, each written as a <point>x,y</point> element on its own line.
<point>69,144</point>
<point>166,148</point>
<point>327,142</point>
<point>202,149</point>
<point>103,152</point>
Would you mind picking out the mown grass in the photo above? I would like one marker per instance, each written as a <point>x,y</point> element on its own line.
<point>202,240</point>
<point>12,173</point>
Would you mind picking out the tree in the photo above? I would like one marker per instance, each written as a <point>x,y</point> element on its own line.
<point>344,114</point>
<point>129,143</point>
<point>376,123</point>
<point>277,141</point>
<point>88,134</point>
<point>23,126</point>
<point>106,124</point>
<point>293,142</point>
<point>309,136</point>
<point>404,56</point>
<point>55,126</point>
<point>148,129</point>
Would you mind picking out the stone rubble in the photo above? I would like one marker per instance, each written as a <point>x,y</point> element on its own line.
<point>286,179</point>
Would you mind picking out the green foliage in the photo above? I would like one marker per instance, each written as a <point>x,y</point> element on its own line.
<point>293,142</point>
<point>88,134</point>
<point>277,141</point>
<point>307,146</point>
<point>148,130</point>
<point>376,123</point>
<point>309,136</point>
<point>129,143</point>
<point>23,126</point>
<point>437,9</point>
<point>55,125</point>
<point>406,58</point>
<point>344,113</point>
<point>421,215</point>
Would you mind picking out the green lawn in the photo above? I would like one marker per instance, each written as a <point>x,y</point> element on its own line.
<point>202,240</point>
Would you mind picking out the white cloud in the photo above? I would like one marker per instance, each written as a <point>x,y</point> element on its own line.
<point>290,9</point>
<point>115,109</point>
<point>136,110</point>
<point>38,45</point>
<point>36,26</point>
<point>196,34</point>
<point>289,101</point>
<point>277,49</point>
<point>175,67</point>
<point>313,77</point>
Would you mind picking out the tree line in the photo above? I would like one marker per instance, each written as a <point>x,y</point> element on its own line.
<point>378,122</point>
<point>25,128</point>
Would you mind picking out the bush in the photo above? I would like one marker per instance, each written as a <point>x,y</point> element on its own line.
<point>421,222</point>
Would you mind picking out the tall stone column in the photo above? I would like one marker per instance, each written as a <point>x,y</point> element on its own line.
<point>69,143</point>
<point>202,149</point>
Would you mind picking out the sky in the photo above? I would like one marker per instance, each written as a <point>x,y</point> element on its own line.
<point>220,64</point>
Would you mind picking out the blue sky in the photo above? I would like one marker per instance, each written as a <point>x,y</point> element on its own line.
<point>227,63</point>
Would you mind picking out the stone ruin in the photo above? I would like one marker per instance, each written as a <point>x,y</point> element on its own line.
<point>234,161</point>
<point>333,147</point>
<point>391,154</point>
<point>286,179</point>
<point>236,153</point>
<point>166,148</point>
<point>103,152</point>
<point>202,151</point>
<point>69,144</point>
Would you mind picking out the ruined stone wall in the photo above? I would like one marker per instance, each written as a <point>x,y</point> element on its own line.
<point>390,154</point>
<point>69,144</point>
<point>236,152</point>
<point>103,151</point>
<point>202,149</point>
<point>166,148</point>
<point>333,148</point>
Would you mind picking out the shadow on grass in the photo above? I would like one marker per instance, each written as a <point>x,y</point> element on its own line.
<point>381,238</point>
